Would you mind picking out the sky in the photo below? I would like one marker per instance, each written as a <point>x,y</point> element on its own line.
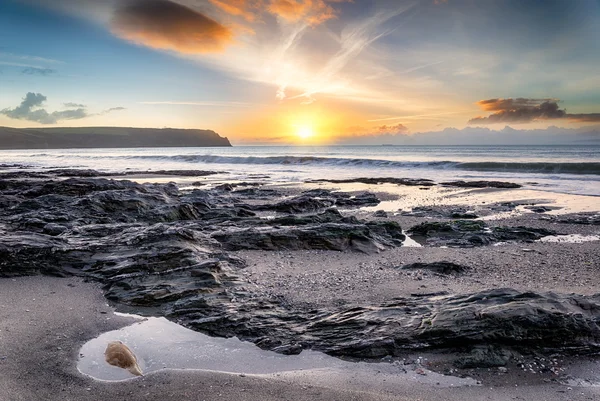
<point>304,71</point>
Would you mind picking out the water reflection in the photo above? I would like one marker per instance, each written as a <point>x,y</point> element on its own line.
<point>161,344</point>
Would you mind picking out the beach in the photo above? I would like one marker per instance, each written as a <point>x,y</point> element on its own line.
<point>386,288</point>
<point>40,347</point>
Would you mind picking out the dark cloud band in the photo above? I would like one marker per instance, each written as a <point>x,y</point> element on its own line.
<point>166,25</point>
<point>525,110</point>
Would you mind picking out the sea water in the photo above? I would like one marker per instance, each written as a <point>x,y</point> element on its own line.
<point>565,169</point>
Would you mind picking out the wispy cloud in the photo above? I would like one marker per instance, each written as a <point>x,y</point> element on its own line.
<point>31,58</point>
<point>415,116</point>
<point>38,71</point>
<point>420,67</point>
<point>112,109</point>
<point>352,41</point>
<point>16,64</point>
<point>201,103</point>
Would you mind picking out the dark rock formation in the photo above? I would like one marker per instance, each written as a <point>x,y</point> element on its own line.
<point>541,322</point>
<point>481,184</point>
<point>413,182</point>
<point>441,267</point>
<point>440,211</point>
<point>86,173</point>
<point>319,199</point>
<point>469,233</point>
<point>580,218</point>
<point>420,182</point>
<point>362,237</point>
<point>380,213</point>
<point>165,252</point>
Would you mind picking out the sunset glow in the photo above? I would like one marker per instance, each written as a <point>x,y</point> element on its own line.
<point>326,71</point>
<point>305,132</point>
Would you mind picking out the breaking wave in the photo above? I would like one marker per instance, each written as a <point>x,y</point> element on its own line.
<point>580,168</point>
<point>539,167</point>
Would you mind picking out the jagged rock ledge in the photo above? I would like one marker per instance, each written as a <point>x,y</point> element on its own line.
<point>168,252</point>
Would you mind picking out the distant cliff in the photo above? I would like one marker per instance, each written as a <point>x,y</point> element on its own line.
<point>106,137</point>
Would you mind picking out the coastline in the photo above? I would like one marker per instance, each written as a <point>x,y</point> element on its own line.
<point>319,279</point>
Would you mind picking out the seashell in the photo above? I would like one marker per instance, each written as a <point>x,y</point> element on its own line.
<point>119,355</point>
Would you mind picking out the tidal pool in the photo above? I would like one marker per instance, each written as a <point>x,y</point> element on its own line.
<point>160,344</point>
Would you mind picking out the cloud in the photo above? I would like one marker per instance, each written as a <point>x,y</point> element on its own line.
<point>312,12</point>
<point>114,109</point>
<point>584,118</point>
<point>38,71</point>
<point>392,129</point>
<point>361,133</point>
<point>353,40</point>
<point>309,12</point>
<point>526,110</point>
<point>162,24</point>
<point>200,103</point>
<point>479,136</point>
<point>246,9</point>
<point>31,109</point>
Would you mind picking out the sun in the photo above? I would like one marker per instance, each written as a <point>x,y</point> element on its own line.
<point>304,132</point>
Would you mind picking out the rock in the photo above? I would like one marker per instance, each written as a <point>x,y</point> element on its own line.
<point>363,199</point>
<point>317,200</point>
<point>299,204</point>
<point>460,214</point>
<point>54,229</point>
<point>422,211</point>
<point>183,173</point>
<point>538,209</point>
<point>224,187</point>
<point>491,322</point>
<point>470,233</point>
<point>380,213</point>
<point>367,238</point>
<point>420,182</point>
<point>151,245</point>
<point>481,184</point>
<point>485,357</point>
<point>439,211</point>
<point>442,267</point>
<point>581,218</point>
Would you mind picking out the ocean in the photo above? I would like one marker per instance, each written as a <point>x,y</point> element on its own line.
<point>564,169</point>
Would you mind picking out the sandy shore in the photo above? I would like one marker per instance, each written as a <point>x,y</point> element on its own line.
<point>44,321</point>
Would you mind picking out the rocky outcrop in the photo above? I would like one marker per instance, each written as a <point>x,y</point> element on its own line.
<point>481,184</point>
<point>581,218</point>
<point>362,237</point>
<point>440,211</point>
<point>413,182</point>
<point>420,182</point>
<point>441,267</point>
<point>470,233</point>
<point>319,199</point>
<point>542,322</point>
<point>167,252</point>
